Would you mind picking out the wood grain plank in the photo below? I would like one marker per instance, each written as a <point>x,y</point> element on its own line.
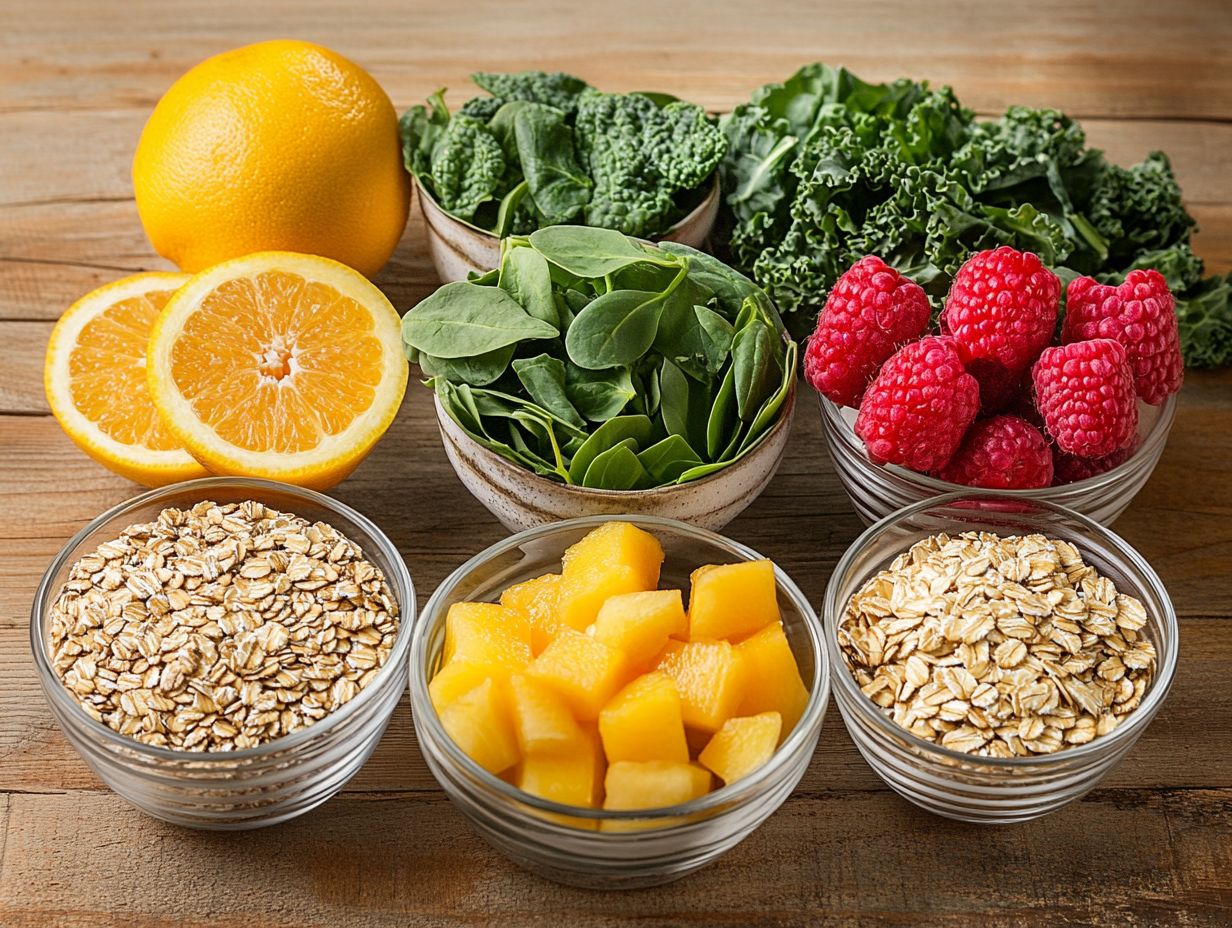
<point>848,859</point>
<point>1132,59</point>
<point>35,756</point>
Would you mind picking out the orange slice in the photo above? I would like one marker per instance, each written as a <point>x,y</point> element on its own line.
<point>278,365</point>
<point>95,380</point>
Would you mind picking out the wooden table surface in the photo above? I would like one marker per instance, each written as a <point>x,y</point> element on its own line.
<point>1151,846</point>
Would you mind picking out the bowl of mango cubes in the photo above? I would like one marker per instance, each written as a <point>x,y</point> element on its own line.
<point>615,701</point>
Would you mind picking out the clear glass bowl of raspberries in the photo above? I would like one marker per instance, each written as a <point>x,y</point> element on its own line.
<point>995,394</point>
<point>1004,672</point>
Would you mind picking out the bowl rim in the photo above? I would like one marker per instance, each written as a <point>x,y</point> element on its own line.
<point>1152,443</point>
<point>735,794</point>
<point>693,215</point>
<point>867,709</point>
<point>784,419</point>
<point>400,584</point>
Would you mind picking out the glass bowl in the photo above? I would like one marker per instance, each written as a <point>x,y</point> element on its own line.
<point>247,788</point>
<point>597,848</point>
<point>986,789</point>
<point>876,490</point>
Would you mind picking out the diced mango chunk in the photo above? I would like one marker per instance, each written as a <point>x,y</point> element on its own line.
<point>459,677</point>
<point>731,600</point>
<point>481,724</point>
<point>573,777</point>
<point>539,601</point>
<point>710,679</point>
<point>640,623</point>
<point>771,677</point>
<point>615,558</point>
<point>486,633</point>
<point>653,784</point>
<point>643,722</point>
<point>742,745</point>
<point>542,720</point>
<point>586,672</point>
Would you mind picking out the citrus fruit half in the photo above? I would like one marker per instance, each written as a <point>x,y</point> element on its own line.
<point>278,365</point>
<point>95,380</point>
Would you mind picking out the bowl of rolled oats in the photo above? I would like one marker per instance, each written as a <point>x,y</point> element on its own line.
<point>995,657</point>
<point>225,653</point>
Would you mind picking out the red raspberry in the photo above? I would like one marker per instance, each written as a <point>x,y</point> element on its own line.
<point>872,311</point>
<point>1141,315</point>
<point>1085,392</point>
<point>1001,453</point>
<point>1067,468</point>
<point>916,411</point>
<point>1002,308</point>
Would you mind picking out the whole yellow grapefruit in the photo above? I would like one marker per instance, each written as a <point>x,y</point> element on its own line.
<point>282,145</point>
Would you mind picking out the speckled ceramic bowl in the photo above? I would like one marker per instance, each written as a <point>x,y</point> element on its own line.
<point>521,499</point>
<point>457,247</point>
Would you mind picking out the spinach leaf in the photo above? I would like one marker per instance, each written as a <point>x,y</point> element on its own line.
<point>722,417</point>
<point>757,370</point>
<point>462,319</point>
<point>544,379</point>
<point>694,337</point>
<point>544,144</point>
<point>730,286</point>
<point>609,434</point>
<point>614,330</point>
<point>768,414</point>
<point>598,395</point>
<point>617,468</point>
<point>666,460</point>
<point>589,252</point>
<point>478,371</point>
<point>674,400</point>
<point>524,276</point>
<point>508,208</point>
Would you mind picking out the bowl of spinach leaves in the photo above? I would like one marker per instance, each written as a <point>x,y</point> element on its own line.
<point>548,149</point>
<point>592,372</point>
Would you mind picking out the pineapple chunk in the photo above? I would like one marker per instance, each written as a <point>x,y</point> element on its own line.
<point>653,784</point>
<point>586,672</point>
<point>771,677</point>
<point>742,745</point>
<point>710,679</point>
<point>732,600</point>
<point>459,677</point>
<point>573,777</point>
<point>542,719</point>
<point>640,623</point>
<point>539,601</point>
<point>481,724</point>
<point>485,633</point>
<point>643,722</point>
<point>615,558</point>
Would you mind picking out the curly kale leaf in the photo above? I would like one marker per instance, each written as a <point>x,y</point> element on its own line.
<point>481,108</point>
<point>420,127</point>
<point>556,89</point>
<point>466,167</point>
<point>1139,209</point>
<point>684,144</point>
<point>1204,314</point>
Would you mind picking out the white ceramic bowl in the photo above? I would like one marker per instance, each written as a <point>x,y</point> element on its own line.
<point>457,247</point>
<point>521,499</point>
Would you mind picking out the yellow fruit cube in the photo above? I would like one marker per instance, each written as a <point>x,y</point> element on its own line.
<point>615,558</point>
<point>771,677</point>
<point>539,601</point>
<point>481,724</point>
<point>585,671</point>
<point>652,784</point>
<point>459,677</point>
<point>710,679</point>
<point>542,719</point>
<point>573,777</point>
<point>640,623</point>
<point>732,600</point>
<point>742,745</point>
<point>643,722</point>
<point>486,633</point>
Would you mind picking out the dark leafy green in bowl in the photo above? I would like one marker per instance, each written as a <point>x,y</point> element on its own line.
<point>548,149</point>
<point>601,361</point>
